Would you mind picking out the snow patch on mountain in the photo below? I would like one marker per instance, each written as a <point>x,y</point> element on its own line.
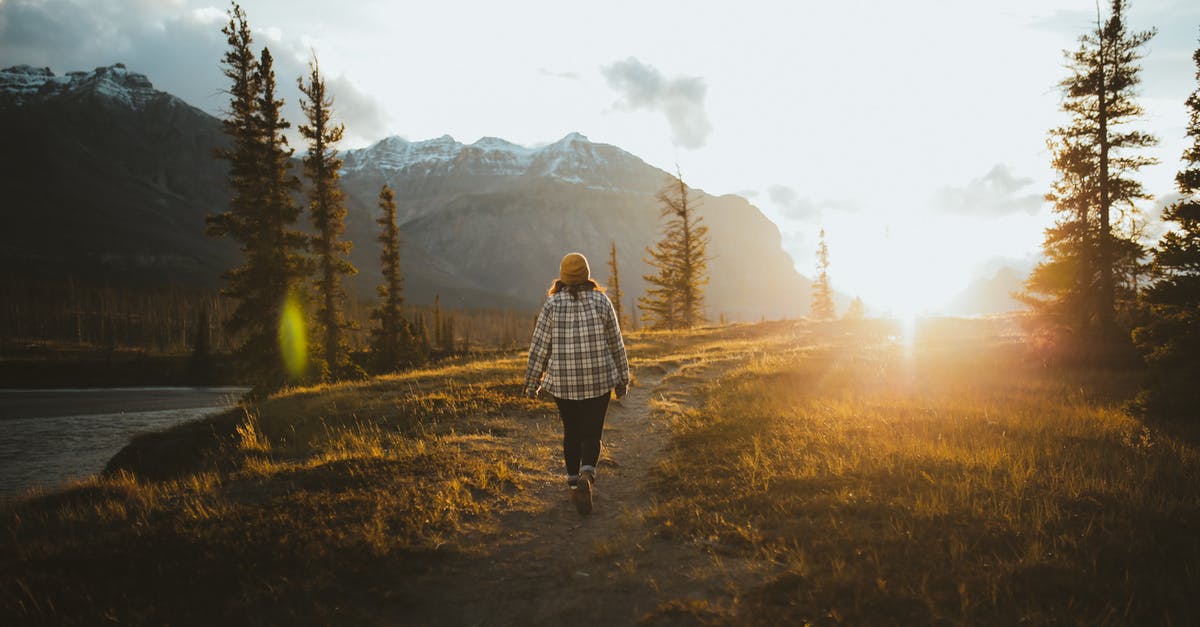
<point>25,84</point>
<point>573,158</point>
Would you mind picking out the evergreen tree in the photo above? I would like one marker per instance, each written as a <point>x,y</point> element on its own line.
<point>261,213</point>
<point>614,286</point>
<point>393,344</point>
<point>855,310</point>
<point>422,338</point>
<point>674,298</point>
<point>822,294</point>
<point>439,338</point>
<point>447,333</point>
<point>1064,279</point>
<point>328,213</point>
<point>200,366</point>
<point>1088,279</point>
<point>1171,338</point>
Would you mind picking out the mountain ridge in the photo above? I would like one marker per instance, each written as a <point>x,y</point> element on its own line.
<point>484,224</point>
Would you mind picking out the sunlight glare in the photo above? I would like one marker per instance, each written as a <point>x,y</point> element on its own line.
<point>900,272</point>
<point>293,340</point>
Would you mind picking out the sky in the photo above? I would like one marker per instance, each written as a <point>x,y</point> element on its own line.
<point>913,133</point>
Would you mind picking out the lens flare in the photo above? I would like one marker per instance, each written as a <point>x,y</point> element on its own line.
<point>293,339</point>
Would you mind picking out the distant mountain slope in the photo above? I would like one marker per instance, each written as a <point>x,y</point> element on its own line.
<point>503,215</point>
<point>107,179</point>
<point>990,294</point>
<point>111,180</point>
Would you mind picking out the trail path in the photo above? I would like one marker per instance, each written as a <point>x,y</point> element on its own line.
<point>551,566</point>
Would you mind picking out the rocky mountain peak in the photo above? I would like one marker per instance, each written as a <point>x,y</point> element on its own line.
<point>572,159</point>
<point>114,83</point>
<point>572,139</point>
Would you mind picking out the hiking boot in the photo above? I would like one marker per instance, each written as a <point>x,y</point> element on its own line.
<point>582,494</point>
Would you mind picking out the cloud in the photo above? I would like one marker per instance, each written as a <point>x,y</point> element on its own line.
<point>793,205</point>
<point>1169,52</point>
<point>563,75</point>
<point>996,193</point>
<point>679,99</point>
<point>178,48</point>
<point>1155,227</point>
<point>363,114</point>
<point>799,207</point>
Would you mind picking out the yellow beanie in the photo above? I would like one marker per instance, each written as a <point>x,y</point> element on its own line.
<point>574,269</point>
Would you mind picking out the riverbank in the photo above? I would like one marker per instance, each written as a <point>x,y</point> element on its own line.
<point>51,436</point>
<point>102,368</point>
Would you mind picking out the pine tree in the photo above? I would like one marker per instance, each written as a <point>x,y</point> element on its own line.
<point>240,124</point>
<point>261,213</point>
<point>439,338</point>
<point>393,344</point>
<point>327,211</point>
<point>421,331</point>
<point>1088,280</point>
<point>200,366</point>
<point>614,286</point>
<point>674,298</point>
<point>447,333</point>
<point>822,294</point>
<point>1171,338</point>
<point>1064,279</point>
<point>855,310</point>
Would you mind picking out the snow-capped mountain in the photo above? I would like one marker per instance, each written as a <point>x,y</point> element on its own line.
<point>107,179</point>
<point>572,159</point>
<point>26,84</point>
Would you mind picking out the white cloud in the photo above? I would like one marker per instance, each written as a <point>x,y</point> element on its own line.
<point>178,49</point>
<point>208,15</point>
<point>679,99</point>
<point>997,193</point>
<point>364,116</point>
<point>572,76</point>
<point>792,204</point>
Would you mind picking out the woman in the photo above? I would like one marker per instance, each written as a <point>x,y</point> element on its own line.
<point>577,348</point>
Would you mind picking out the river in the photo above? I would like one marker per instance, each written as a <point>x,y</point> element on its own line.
<point>49,437</point>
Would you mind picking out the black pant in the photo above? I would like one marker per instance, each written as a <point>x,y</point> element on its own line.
<point>582,423</point>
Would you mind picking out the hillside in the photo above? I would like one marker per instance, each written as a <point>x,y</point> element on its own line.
<point>110,180</point>
<point>107,180</point>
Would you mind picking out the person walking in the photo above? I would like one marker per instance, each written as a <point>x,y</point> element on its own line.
<point>578,357</point>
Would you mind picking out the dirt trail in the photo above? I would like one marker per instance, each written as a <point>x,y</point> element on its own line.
<point>550,565</point>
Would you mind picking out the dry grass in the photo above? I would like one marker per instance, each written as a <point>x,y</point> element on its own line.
<point>307,509</point>
<point>312,507</point>
<point>955,481</point>
<point>832,474</point>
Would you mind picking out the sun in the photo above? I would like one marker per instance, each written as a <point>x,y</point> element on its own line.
<point>901,272</point>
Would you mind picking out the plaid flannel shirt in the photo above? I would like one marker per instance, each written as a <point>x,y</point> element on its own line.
<point>577,346</point>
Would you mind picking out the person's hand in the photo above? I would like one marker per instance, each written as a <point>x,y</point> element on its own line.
<point>622,389</point>
<point>531,392</point>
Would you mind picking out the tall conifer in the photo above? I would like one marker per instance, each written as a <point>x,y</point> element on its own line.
<point>674,298</point>
<point>1171,339</point>
<point>261,214</point>
<point>822,294</point>
<point>327,211</point>
<point>614,285</point>
<point>393,343</point>
<point>1090,273</point>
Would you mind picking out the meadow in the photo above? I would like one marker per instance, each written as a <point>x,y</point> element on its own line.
<point>777,473</point>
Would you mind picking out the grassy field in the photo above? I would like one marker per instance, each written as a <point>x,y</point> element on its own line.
<point>954,480</point>
<point>829,474</point>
